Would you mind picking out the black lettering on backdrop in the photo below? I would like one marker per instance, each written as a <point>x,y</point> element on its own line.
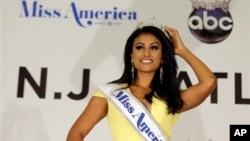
<point>85,87</point>
<point>238,90</point>
<point>40,88</point>
<point>25,75</point>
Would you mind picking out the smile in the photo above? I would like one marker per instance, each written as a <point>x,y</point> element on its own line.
<point>146,61</point>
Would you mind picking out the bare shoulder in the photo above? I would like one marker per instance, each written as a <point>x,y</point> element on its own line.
<point>97,102</point>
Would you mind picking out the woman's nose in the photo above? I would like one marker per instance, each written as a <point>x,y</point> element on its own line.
<point>146,53</point>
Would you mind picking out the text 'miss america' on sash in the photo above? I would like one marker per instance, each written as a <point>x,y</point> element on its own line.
<point>139,117</point>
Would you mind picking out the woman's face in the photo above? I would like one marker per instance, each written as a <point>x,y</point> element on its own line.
<point>146,53</point>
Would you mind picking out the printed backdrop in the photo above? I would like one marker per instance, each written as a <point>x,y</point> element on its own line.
<point>53,54</point>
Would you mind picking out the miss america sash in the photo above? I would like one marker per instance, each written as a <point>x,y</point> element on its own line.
<point>134,111</point>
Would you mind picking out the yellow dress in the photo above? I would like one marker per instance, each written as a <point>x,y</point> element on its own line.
<point>122,130</point>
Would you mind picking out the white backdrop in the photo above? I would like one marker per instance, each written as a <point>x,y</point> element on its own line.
<point>49,39</point>
<point>1,63</point>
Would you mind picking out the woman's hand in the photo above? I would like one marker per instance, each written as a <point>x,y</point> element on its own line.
<point>174,36</point>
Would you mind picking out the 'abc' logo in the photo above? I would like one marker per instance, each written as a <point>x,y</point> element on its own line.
<point>210,26</point>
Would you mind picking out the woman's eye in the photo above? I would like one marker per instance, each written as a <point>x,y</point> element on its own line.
<point>138,47</point>
<point>154,47</point>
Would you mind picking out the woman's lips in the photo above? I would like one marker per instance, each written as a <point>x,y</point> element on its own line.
<point>146,61</point>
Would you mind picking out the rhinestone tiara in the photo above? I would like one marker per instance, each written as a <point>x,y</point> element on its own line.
<point>149,22</point>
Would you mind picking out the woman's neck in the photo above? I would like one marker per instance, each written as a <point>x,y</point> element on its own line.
<point>142,85</point>
<point>144,80</point>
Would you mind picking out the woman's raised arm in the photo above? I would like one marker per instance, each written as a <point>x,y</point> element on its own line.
<point>196,94</point>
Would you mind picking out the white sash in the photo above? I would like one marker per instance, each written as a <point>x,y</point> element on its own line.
<point>135,112</point>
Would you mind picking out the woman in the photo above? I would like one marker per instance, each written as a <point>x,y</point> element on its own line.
<point>148,82</point>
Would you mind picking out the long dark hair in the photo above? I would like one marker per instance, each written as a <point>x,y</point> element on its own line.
<point>167,90</point>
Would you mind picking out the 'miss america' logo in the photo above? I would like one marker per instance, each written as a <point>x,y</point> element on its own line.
<point>84,18</point>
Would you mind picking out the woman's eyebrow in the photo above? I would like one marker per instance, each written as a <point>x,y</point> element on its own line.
<point>156,43</point>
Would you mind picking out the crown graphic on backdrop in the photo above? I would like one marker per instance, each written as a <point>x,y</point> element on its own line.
<point>211,4</point>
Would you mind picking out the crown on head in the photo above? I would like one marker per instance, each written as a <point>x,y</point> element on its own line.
<point>211,4</point>
<point>149,22</point>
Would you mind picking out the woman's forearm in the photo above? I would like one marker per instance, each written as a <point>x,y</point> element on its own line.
<point>203,73</point>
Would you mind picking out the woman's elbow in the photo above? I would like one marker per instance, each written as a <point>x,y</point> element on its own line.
<point>74,136</point>
<point>212,83</point>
